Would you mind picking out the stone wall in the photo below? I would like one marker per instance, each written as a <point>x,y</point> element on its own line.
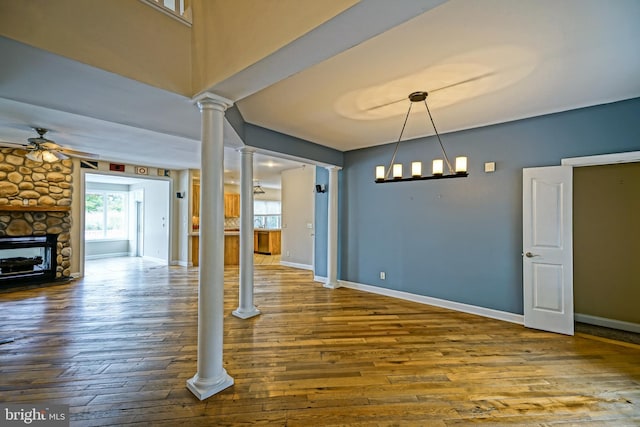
<point>26,184</point>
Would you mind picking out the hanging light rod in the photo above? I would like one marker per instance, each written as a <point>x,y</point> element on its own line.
<point>395,169</point>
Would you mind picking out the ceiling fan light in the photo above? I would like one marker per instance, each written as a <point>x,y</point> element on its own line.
<point>49,156</point>
<point>35,156</point>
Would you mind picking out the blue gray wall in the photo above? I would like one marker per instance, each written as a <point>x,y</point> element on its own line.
<point>461,239</point>
<point>266,139</point>
<point>276,142</point>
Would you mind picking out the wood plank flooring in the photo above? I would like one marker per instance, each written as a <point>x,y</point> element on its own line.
<point>119,345</point>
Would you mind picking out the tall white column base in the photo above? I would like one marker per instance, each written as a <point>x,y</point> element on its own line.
<point>331,285</point>
<point>244,313</point>
<point>204,388</point>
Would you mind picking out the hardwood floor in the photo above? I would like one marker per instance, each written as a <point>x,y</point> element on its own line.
<point>119,345</point>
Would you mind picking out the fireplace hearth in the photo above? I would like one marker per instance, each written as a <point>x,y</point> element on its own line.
<point>28,259</point>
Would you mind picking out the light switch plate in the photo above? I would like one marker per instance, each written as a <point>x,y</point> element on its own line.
<point>490,167</point>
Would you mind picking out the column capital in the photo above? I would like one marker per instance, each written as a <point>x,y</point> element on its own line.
<point>250,150</point>
<point>333,168</point>
<point>208,99</point>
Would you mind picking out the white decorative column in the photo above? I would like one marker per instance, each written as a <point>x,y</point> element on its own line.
<point>246,309</point>
<point>332,226</point>
<point>211,376</point>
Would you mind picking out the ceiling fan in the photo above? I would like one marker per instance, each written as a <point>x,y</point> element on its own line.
<point>42,149</point>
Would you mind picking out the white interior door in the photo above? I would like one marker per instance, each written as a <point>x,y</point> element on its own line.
<point>547,248</point>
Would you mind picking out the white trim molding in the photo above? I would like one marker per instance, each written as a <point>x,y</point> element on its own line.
<point>452,305</point>
<point>603,159</point>
<point>607,323</point>
<point>109,255</point>
<point>296,265</point>
<point>320,279</point>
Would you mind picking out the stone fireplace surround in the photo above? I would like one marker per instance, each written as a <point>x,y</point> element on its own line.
<point>35,200</point>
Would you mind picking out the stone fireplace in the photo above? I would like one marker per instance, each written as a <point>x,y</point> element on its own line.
<point>35,200</point>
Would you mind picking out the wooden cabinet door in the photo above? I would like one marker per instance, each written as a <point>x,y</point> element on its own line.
<point>231,205</point>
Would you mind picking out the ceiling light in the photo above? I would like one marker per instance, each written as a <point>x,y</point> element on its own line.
<point>257,189</point>
<point>395,169</point>
<point>43,155</point>
<point>35,155</point>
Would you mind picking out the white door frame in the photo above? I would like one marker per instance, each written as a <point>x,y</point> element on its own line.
<point>603,159</point>
<point>81,211</point>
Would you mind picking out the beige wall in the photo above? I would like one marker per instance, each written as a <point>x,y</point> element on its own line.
<point>607,241</point>
<point>298,204</point>
<point>232,35</point>
<point>132,39</point>
<point>125,37</point>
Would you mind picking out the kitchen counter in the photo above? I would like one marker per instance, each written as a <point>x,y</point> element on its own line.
<point>226,233</point>
<point>231,248</point>
<point>265,241</point>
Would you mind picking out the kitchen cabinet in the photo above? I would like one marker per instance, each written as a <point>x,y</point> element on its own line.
<point>267,241</point>
<point>231,205</point>
<point>195,251</point>
<point>231,249</point>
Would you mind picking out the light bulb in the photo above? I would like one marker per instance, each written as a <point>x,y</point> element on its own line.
<point>416,169</point>
<point>438,167</point>
<point>397,171</point>
<point>461,164</point>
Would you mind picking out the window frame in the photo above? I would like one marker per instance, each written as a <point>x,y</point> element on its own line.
<point>105,229</point>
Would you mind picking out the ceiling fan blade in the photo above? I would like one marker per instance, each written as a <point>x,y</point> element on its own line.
<point>50,145</point>
<point>76,153</point>
<point>469,80</point>
<point>59,155</point>
<point>7,144</point>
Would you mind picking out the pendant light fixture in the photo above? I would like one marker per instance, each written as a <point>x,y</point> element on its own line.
<point>438,165</point>
<point>257,189</point>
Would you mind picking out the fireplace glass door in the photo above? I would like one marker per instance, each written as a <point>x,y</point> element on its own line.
<point>29,258</point>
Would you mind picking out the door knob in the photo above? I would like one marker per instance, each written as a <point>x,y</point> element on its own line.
<point>530,255</point>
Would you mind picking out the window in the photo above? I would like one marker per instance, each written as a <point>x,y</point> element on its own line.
<point>105,215</point>
<point>267,214</point>
<point>178,9</point>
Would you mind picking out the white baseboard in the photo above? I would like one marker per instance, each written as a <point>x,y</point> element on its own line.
<point>452,305</point>
<point>320,279</point>
<point>607,323</point>
<point>296,265</point>
<point>154,259</point>
<point>181,263</point>
<point>111,255</point>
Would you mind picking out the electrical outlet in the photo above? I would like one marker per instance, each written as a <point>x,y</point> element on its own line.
<point>288,253</point>
<point>383,275</point>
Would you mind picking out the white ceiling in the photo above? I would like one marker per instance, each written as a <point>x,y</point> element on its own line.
<point>518,58</point>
